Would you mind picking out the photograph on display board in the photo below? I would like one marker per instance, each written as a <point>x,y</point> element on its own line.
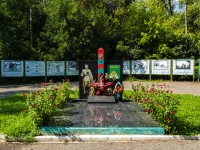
<point>183,64</point>
<point>140,66</point>
<point>35,68</point>
<point>12,66</point>
<point>126,67</point>
<point>55,68</point>
<point>72,68</point>
<point>160,65</point>
<point>183,67</point>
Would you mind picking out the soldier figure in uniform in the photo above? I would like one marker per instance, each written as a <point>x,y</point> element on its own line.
<point>87,78</point>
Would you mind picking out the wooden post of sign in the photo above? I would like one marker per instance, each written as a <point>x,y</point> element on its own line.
<point>100,62</point>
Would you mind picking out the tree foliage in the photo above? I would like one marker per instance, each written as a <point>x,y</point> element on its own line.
<point>75,29</point>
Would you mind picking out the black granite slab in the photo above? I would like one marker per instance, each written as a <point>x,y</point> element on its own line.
<point>121,114</point>
<point>101,99</point>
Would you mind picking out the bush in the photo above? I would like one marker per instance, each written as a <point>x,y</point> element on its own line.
<point>160,103</point>
<point>44,103</point>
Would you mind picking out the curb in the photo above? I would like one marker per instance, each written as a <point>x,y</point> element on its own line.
<point>105,138</point>
<point>111,138</point>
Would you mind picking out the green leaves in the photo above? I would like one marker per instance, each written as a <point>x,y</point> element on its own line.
<point>75,29</point>
<point>159,102</point>
<point>44,103</point>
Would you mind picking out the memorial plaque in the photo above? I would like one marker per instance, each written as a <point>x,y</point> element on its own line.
<point>101,99</point>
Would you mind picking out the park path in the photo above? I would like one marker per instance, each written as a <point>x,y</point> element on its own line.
<point>177,87</point>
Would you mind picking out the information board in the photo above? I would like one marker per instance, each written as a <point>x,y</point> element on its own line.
<point>183,67</point>
<point>161,67</point>
<point>126,67</point>
<point>35,68</point>
<point>11,68</point>
<point>140,66</point>
<point>55,68</point>
<point>72,68</point>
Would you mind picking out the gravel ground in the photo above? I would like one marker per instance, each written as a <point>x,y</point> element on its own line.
<point>176,87</point>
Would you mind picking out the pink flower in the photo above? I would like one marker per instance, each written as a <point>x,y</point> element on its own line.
<point>145,99</point>
<point>172,113</point>
<point>148,110</point>
<point>51,81</point>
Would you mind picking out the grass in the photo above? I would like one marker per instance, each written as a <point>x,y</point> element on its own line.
<point>14,122</point>
<point>188,113</point>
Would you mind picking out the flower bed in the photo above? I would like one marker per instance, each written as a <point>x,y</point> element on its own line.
<point>44,103</point>
<point>159,102</point>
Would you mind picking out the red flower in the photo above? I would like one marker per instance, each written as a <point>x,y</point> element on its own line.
<point>24,95</point>
<point>148,111</point>
<point>172,113</point>
<point>25,111</point>
<point>51,81</point>
<point>32,106</point>
<point>169,119</point>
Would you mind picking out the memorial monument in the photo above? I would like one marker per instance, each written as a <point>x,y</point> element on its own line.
<point>98,86</point>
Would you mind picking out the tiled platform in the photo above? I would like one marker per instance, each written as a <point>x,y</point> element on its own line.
<point>102,118</point>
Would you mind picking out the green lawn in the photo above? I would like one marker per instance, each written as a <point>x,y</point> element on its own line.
<point>188,122</point>
<point>14,122</point>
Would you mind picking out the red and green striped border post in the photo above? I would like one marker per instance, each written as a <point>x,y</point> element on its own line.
<point>100,61</point>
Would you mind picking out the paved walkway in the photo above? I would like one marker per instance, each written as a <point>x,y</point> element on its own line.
<point>176,87</point>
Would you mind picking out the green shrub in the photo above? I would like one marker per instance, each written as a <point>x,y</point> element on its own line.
<point>44,103</point>
<point>159,102</point>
